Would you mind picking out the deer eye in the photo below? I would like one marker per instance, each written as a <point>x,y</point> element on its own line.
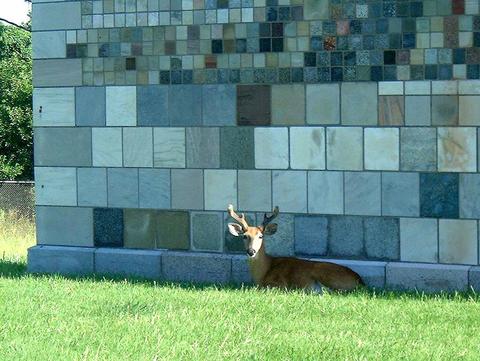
<point>260,236</point>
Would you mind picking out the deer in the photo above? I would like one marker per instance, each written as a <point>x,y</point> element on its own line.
<point>287,272</point>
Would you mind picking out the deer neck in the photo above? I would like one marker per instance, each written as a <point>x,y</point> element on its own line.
<point>260,265</point>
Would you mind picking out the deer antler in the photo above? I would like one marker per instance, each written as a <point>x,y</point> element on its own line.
<point>239,219</point>
<point>268,219</point>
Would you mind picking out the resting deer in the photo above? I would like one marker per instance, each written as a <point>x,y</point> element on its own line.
<point>287,272</point>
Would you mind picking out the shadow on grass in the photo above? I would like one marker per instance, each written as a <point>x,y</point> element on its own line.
<point>17,269</point>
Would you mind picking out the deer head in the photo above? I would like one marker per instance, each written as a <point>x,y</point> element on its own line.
<point>252,236</point>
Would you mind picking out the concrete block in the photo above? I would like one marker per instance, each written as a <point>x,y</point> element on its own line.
<point>418,149</point>
<point>345,236</point>
<point>288,104</point>
<point>382,149</point>
<point>63,147</point>
<point>382,238</point>
<point>203,148</point>
<point>307,148</point>
<point>108,227</point>
<point>220,189</point>
<point>71,261</point>
<point>48,44</point>
<point>139,228</point>
<point>121,105</point>
<point>56,186</point>
<point>469,108</point>
<point>173,230</point>
<point>122,187</point>
<point>219,104</point>
<point>107,147</point>
<point>169,147</point>
<point>64,226</point>
<point>57,72</point>
<point>154,188</point>
<point>344,148</point>
<point>196,267</point>
<point>237,150</point>
<point>280,244</point>
<point>271,148</point>
<point>53,107</point>
<point>458,241</point>
<point>92,187</point>
<point>129,263</point>
<point>255,190</point>
<point>187,189</point>
<point>417,110</point>
<point>469,195</point>
<point>426,277</point>
<point>185,105</point>
<point>207,231</point>
<point>400,194</point>
<point>240,270</point>
<point>323,103</point>
<point>457,150</point>
<point>152,105</point>
<point>439,195</point>
<point>138,147</point>
<point>311,235</point>
<point>325,192</point>
<point>90,106</point>
<point>362,193</point>
<point>419,240</point>
<point>290,190</point>
<point>361,106</point>
<point>59,16</point>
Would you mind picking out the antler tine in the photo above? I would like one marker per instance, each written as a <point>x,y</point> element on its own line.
<point>268,219</point>
<point>239,219</point>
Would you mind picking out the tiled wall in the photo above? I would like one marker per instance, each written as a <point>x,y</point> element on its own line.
<point>358,119</point>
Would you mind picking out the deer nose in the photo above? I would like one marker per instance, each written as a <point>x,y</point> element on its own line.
<point>251,252</point>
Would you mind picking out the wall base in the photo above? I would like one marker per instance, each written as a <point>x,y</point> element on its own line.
<point>219,268</point>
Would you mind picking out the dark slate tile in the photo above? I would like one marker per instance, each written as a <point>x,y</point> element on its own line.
<point>207,230</point>
<point>185,105</point>
<point>284,75</point>
<point>90,106</point>
<point>152,105</point>
<point>376,73</point>
<point>311,235</point>
<point>409,41</point>
<point>237,150</point>
<point>345,236</point>
<point>173,230</point>
<point>164,77</point>
<point>439,195</point>
<point>473,71</point>
<point>253,105</point>
<point>459,56</point>
<point>108,227</point>
<point>382,238</point>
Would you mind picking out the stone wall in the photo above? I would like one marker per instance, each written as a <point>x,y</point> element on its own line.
<point>358,119</point>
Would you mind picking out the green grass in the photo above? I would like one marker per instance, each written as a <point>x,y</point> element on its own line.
<point>52,317</point>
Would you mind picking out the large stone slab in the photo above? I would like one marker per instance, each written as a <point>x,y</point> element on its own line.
<point>469,187</point>
<point>253,105</point>
<point>323,103</point>
<point>362,193</point>
<point>311,235</point>
<point>290,190</point>
<point>345,236</point>
<point>72,261</point>
<point>139,229</point>
<point>90,106</point>
<point>361,107</point>
<point>154,188</point>
<point>169,147</point>
<point>121,106</point>
<point>469,112</point>
<point>60,16</point>
<point>122,187</point>
<point>187,189</point>
<point>57,72</point>
<point>281,243</point>
<point>439,195</point>
<point>382,149</point>
<point>207,231</point>
<point>400,194</point>
<point>203,148</point>
<point>56,186</point>
<point>307,148</point>
<point>457,149</point>
<point>185,105</point>
<point>53,107</point>
<point>345,148</point>
<point>426,277</point>
<point>325,192</point>
<point>218,106</point>
<point>152,105</point>
<point>419,240</point>
<point>458,241</point>
<point>417,110</point>
<point>173,230</point>
<point>382,238</point>
<point>108,227</point>
<point>237,148</point>
<point>92,187</point>
<point>418,148</point>
<point>271,148</point>
<point>138,147</point>
<point>255,190</point>
<point>288,104</point>
<point>220,189</point>
<point>107,147</point>
<point>48,44</point>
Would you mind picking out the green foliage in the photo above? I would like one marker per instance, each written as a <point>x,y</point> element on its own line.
<point>16,137</point>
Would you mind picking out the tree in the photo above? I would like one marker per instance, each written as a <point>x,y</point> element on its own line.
<point>16,136</point>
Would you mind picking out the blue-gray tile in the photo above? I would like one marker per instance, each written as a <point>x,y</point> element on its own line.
<point>237,148</point>
<point>185,105</point>
<point>108,227</point>
<point>207,231</point>
<point>218,106</point>
<point>154,188</point>
<point>418,149</point>
<point>400,194</point>
<point>382,238</point>
<point>469,189</point>
<point>345,236</point>
<point>439,195</point>
<point>311,235</point>
<point>152,105</point>
<point>203,147</point>
<point>92,187</point>
<point>123,187</point>
<point>90,106</point>
<point>362,193</point>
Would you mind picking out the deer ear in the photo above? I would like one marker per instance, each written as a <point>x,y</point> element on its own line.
<point>270,229</point>
<point>235,229</point>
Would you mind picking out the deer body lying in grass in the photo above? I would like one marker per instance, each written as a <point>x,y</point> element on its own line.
<point>287,272</point>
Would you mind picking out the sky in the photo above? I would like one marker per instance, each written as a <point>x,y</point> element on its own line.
<point>14,10</point>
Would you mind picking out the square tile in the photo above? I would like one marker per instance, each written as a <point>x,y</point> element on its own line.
<point>381,148</point>
<point>152,105</point>
<point>458,241</point>
<point>185,105</point>
<point>307,148</point>
<point>154,188</point>
<point>345,236</point>
<point>290,191</point>
<point>362,193</point>
<point>361,107</point>
<point>255,190</point>
<point>137,147</point>
<point>382,238</point>
<point>55,16</point>
<point>391,110</point>
<point>457,150</point>
<point>344,148</point>
<point>469,108</point>
<point>316,10</point>
<point>187,188</point>
<point>253,105</point>
<point>121,106</point>
<point>418,240</point>
<point>64,226</point>
<point>469,195</point>
<point>417,110</point>
<point>57,72</point>
<point>173,230</point>
<point>323,103</point>
<point>139,229</point>
<point>48,44</point>
<point>53,107</point>
<point>203,148</point>
<point>122,187</point>
<point>207,231</point>
<point>90,106</point>
<point>325,192</point>
<point>418,149</point>
<point>288,104</point>
<point>281,244</point>
<point>108,227</point>
<point>271,148</point>
<point>220,189</point>
<point>444,110</point>
<point>56,186</point>
<point>92,187</point>
<point>400,194</point>
<point>311,235</point>
<point>237,148</point>
<point>439,195</point>
<point>107,147</point>
<point>218,107</point>
<point>169,147</point>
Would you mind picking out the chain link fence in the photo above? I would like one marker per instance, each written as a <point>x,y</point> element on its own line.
<point>18,197</point>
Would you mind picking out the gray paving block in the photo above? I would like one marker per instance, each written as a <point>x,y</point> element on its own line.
<point>203,147</point>
<point>185,105</point>
<point>129,263</point>
<point>154,188</point>
<point>400,194</point>
<point>122,187</point>
<point>382,238</point>
<point>362,193</point>
<point>187,189</point>
<point>418,149</point>
<point>72,261</point>
<point>359,103</point>
<point>207,231</point>
<point>426,277</point>
<point>152,105</point>
<point>90,106</point>
<point>474,278</point>
<point>240,270</point>
<point>59,16</point>
<point>196,267</point>
<point>63,147</point>
<point>92,187</point>
<point>57,72</point>
<point>219,104</point>
<point>311,235</point>
<point>64,226</point>
<point>345,236</point>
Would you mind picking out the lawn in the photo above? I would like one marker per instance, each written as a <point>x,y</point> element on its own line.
<point>52,317</point>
